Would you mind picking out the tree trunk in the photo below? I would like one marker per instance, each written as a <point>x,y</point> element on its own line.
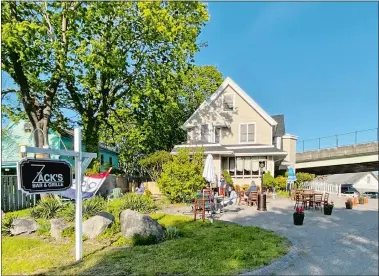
<point>91,136</point>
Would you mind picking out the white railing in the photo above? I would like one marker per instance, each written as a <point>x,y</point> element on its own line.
<point>324,187</point>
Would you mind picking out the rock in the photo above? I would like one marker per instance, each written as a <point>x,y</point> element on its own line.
<point>133,223</point>
<point>23,225</point>
<point>2,214</point>
<point>96,225</point>
<point>57,227</point>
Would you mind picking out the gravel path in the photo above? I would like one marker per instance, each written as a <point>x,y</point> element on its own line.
<point>345,243</point>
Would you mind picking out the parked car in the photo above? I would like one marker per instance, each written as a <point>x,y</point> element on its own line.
<point>371,194</point>
<point>350,193</point>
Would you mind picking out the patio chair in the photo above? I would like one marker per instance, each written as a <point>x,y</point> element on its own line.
<point>116,193</point>
<point>298,200</point>
<point>90,186</point>
<point>318,200</point>
<point>253,199</point>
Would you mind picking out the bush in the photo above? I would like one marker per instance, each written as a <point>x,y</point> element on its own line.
<point>91,207</point>
<point>94,169</point>
<point>148,193</point>
<point>139,203</point>
<point>182,177</point>
<point>46,208</point>
<point>172,233</point>
<point>268,180</point>
<point>228,178</point>
<point>68,232</point>
<point>122,241</point>
<point>153,163</point>
<point>6,224</point>
<point>44,227</point>
<point>281,182</point>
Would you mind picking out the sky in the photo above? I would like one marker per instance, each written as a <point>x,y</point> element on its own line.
<point>316,63</point>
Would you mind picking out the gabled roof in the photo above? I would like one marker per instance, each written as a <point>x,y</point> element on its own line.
<point>229,82</point>
<point>280,128</point>
<point>346,178</point>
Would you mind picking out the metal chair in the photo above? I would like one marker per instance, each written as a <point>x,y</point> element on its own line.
<point>298,200</point>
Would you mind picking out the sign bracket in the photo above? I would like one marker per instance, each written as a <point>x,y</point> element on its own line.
<point>82,161</point>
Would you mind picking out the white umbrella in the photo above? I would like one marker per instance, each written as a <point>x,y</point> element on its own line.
<point>209,170</point>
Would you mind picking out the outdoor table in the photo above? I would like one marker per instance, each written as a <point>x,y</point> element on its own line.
<point>219,205</point>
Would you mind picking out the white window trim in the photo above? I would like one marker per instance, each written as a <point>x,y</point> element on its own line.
<point>255,133</point>
<point>214,134</point>
<point>234,101</point>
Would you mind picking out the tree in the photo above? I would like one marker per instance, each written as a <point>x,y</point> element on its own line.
<point>268,180</point>
<point>159,128</point>
<point>281,182</point>
<point>153,163</point>
<point>97,57</point>
<point>182,176</point>
<point>34,54</point>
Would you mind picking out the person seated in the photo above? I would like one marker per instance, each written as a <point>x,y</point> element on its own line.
<point>252,188</point>
<point>232,199</point>
<point>141,189</point>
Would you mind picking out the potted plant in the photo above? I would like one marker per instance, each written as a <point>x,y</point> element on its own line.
<point>328,208</point>
<point>355,201</point>
<point>361,200</point>
<point>298,216</point>
<point>349,203</point>
<point>366,200</point>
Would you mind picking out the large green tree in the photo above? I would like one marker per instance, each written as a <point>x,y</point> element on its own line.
<point>159,128</point>
<point>99,59</point>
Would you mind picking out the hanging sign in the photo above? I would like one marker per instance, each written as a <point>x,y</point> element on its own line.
<point>44,175</point>
<point>291,175</point>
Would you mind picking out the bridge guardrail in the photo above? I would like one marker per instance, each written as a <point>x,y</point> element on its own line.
<point>339,140</point>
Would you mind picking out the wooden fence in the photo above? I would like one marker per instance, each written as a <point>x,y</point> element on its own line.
<point>11,198</point>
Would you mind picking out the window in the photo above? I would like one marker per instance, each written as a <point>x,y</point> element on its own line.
<point>28,127</point>
<point>190,135</point>
<point>110,161</point>
<point>239,168</point>
<point>247,166</point>
<point>228,102</point>
<point>217,135</point>
<point>247,133</point>
<point>232,165</point>
<point>204,133</point>
<point>101,159</point>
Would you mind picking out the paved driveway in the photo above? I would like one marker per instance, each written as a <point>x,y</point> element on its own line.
<point>345,243</point>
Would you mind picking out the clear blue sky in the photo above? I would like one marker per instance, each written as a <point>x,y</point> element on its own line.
<point>317,63</point>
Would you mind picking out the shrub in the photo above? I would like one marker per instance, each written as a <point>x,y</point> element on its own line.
<point>46,208</point>
<point>91,207</point>
<point>182,176</point>
<point>44,227</point>
<point>172,233</point>
<point>94,169</point>
<point>153,163</point>
<point>68,232</point>
<point>122,241</point>
<point>148,193</point>
<point>268,180</point>
<point>281,182</point>
<point>228,178</point>
<point>139,203</point>
<point>6,224</point>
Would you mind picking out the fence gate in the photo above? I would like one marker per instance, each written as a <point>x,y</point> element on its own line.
<point>11,198</point>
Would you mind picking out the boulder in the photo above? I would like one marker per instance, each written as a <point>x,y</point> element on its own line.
<point>23,225</point>
<point>57,227</point>
<point>133,223</point>
<point>96,225</point>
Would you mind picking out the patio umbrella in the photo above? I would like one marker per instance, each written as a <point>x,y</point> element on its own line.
<point>209,170</point>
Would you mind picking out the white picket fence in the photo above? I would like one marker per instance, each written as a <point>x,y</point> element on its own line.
<point>323,187</point>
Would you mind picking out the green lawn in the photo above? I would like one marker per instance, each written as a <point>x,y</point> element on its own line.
<point>203,248</point>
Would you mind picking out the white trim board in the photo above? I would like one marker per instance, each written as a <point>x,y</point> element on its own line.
<point>229,82</point>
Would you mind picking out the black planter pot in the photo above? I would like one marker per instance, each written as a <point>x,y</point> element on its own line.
<point>349,205</point>
<point>328,210</point>
<point>298,218</point>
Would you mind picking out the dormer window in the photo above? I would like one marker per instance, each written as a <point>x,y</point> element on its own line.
<point>204,133</point>
<point>228,102</point>
<point>28,127</point>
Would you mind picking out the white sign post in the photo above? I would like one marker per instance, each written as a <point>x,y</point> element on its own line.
<point>80,166</point>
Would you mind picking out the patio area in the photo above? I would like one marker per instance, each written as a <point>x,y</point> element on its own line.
<point>345,243</point>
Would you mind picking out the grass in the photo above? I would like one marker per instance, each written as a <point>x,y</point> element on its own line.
<point>201,249</point>
<point>283,193</point>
